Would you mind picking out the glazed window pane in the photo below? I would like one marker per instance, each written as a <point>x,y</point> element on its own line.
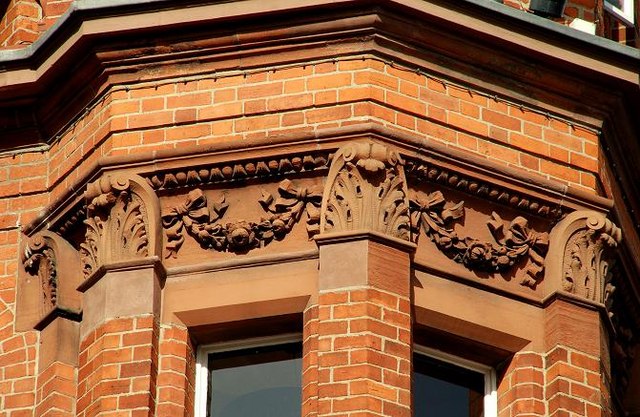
<point>260,382</point>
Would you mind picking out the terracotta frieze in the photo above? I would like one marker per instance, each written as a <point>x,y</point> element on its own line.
<point>48,280</point>
<point>337,184</point>
<point>422,171</point>
<point>431,215</point>
<point>303,162</point>
<point>122,222</point>
<point>200,220</point>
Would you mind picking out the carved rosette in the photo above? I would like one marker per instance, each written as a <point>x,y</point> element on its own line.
<point>200,220</point>
<point>431,214</point>
<point>121,221</point>
<point>366,189</point>
<point>585,241</point>
<point>44,286</point>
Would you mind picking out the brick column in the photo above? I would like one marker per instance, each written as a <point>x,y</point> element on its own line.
<point>57,376</point>
<point>363,326</point>
<point>176,373</point>
<point>521,387</point>
<point>310,361</point>
<point>579,290</point>
<point>119,341</point>
<point>576,362</point>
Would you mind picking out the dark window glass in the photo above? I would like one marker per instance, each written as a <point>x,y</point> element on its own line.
<point>441,389</point>
<point>258,382</point>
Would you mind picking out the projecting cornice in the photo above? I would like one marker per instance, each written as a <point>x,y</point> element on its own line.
<point>230,164</point>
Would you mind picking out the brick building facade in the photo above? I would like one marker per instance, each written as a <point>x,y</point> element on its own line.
<point>396,188</point>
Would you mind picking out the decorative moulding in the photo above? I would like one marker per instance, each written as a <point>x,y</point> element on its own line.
<point>426,171</point>
<point>582,245</point>
<point>295,153</point>
<point>431,214</point>
<point>200,220</point>
<point>123,222</point>
<point>47,282</point>
<point>303,162</point>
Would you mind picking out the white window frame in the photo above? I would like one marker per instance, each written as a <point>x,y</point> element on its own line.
<point>490,378</point>
<point>625,15</point>
<point>202,362</point>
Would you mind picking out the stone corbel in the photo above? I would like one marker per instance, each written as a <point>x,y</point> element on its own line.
<point>366,190</point>
<point>123,222</point>
<point>45,289</point>
<point>580,250</point>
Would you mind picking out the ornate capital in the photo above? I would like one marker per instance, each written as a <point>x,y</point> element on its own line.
<point>44,286</point>
<point>580,251</point>
<point>366,189</point>
<point>123,216</point>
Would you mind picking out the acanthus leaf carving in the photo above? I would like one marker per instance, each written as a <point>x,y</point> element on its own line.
<point>431,214</point>
<point>366,190</point>
<point>586,264</point>
<point>117,223</point>
<point>196,218</point>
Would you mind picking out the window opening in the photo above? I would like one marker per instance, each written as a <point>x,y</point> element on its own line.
<point>446,385</point>
<point>256,377</point>
<point>621,9</point>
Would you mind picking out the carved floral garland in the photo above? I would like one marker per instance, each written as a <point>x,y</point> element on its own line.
<point>429,213</point>
<point>200,221</point>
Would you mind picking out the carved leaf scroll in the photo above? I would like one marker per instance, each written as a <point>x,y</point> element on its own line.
<point>195,217</point>
<point>431,214</point>
<point>48,281</point>
<point>40,259</point>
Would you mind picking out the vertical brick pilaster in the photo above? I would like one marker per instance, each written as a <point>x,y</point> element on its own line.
<point>118,361</point>
<point>310,362</point>
<point>56,391</point>
<point>58,369</point>
<point>176,373</point>
<point>521,388</point>
<point>364,328</point>
<point>575,364</point>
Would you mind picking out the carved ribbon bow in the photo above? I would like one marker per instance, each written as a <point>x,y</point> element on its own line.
<point>519,240</point>
<point>430,213</point>
<point>287,209</point>
<point>193,214</point>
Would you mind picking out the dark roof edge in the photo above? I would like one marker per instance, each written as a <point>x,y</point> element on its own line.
<point>561,30</point>
<point>82,8</point>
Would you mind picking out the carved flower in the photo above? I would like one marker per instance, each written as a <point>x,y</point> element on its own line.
<point>240,235</point>
<point>477,253</point>
<point>279,227</point>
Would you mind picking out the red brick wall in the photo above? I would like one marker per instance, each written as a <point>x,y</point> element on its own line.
<point>19,25</point>
<point>134,366</point>
<point>314,97</point>
<point>117,371</point>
